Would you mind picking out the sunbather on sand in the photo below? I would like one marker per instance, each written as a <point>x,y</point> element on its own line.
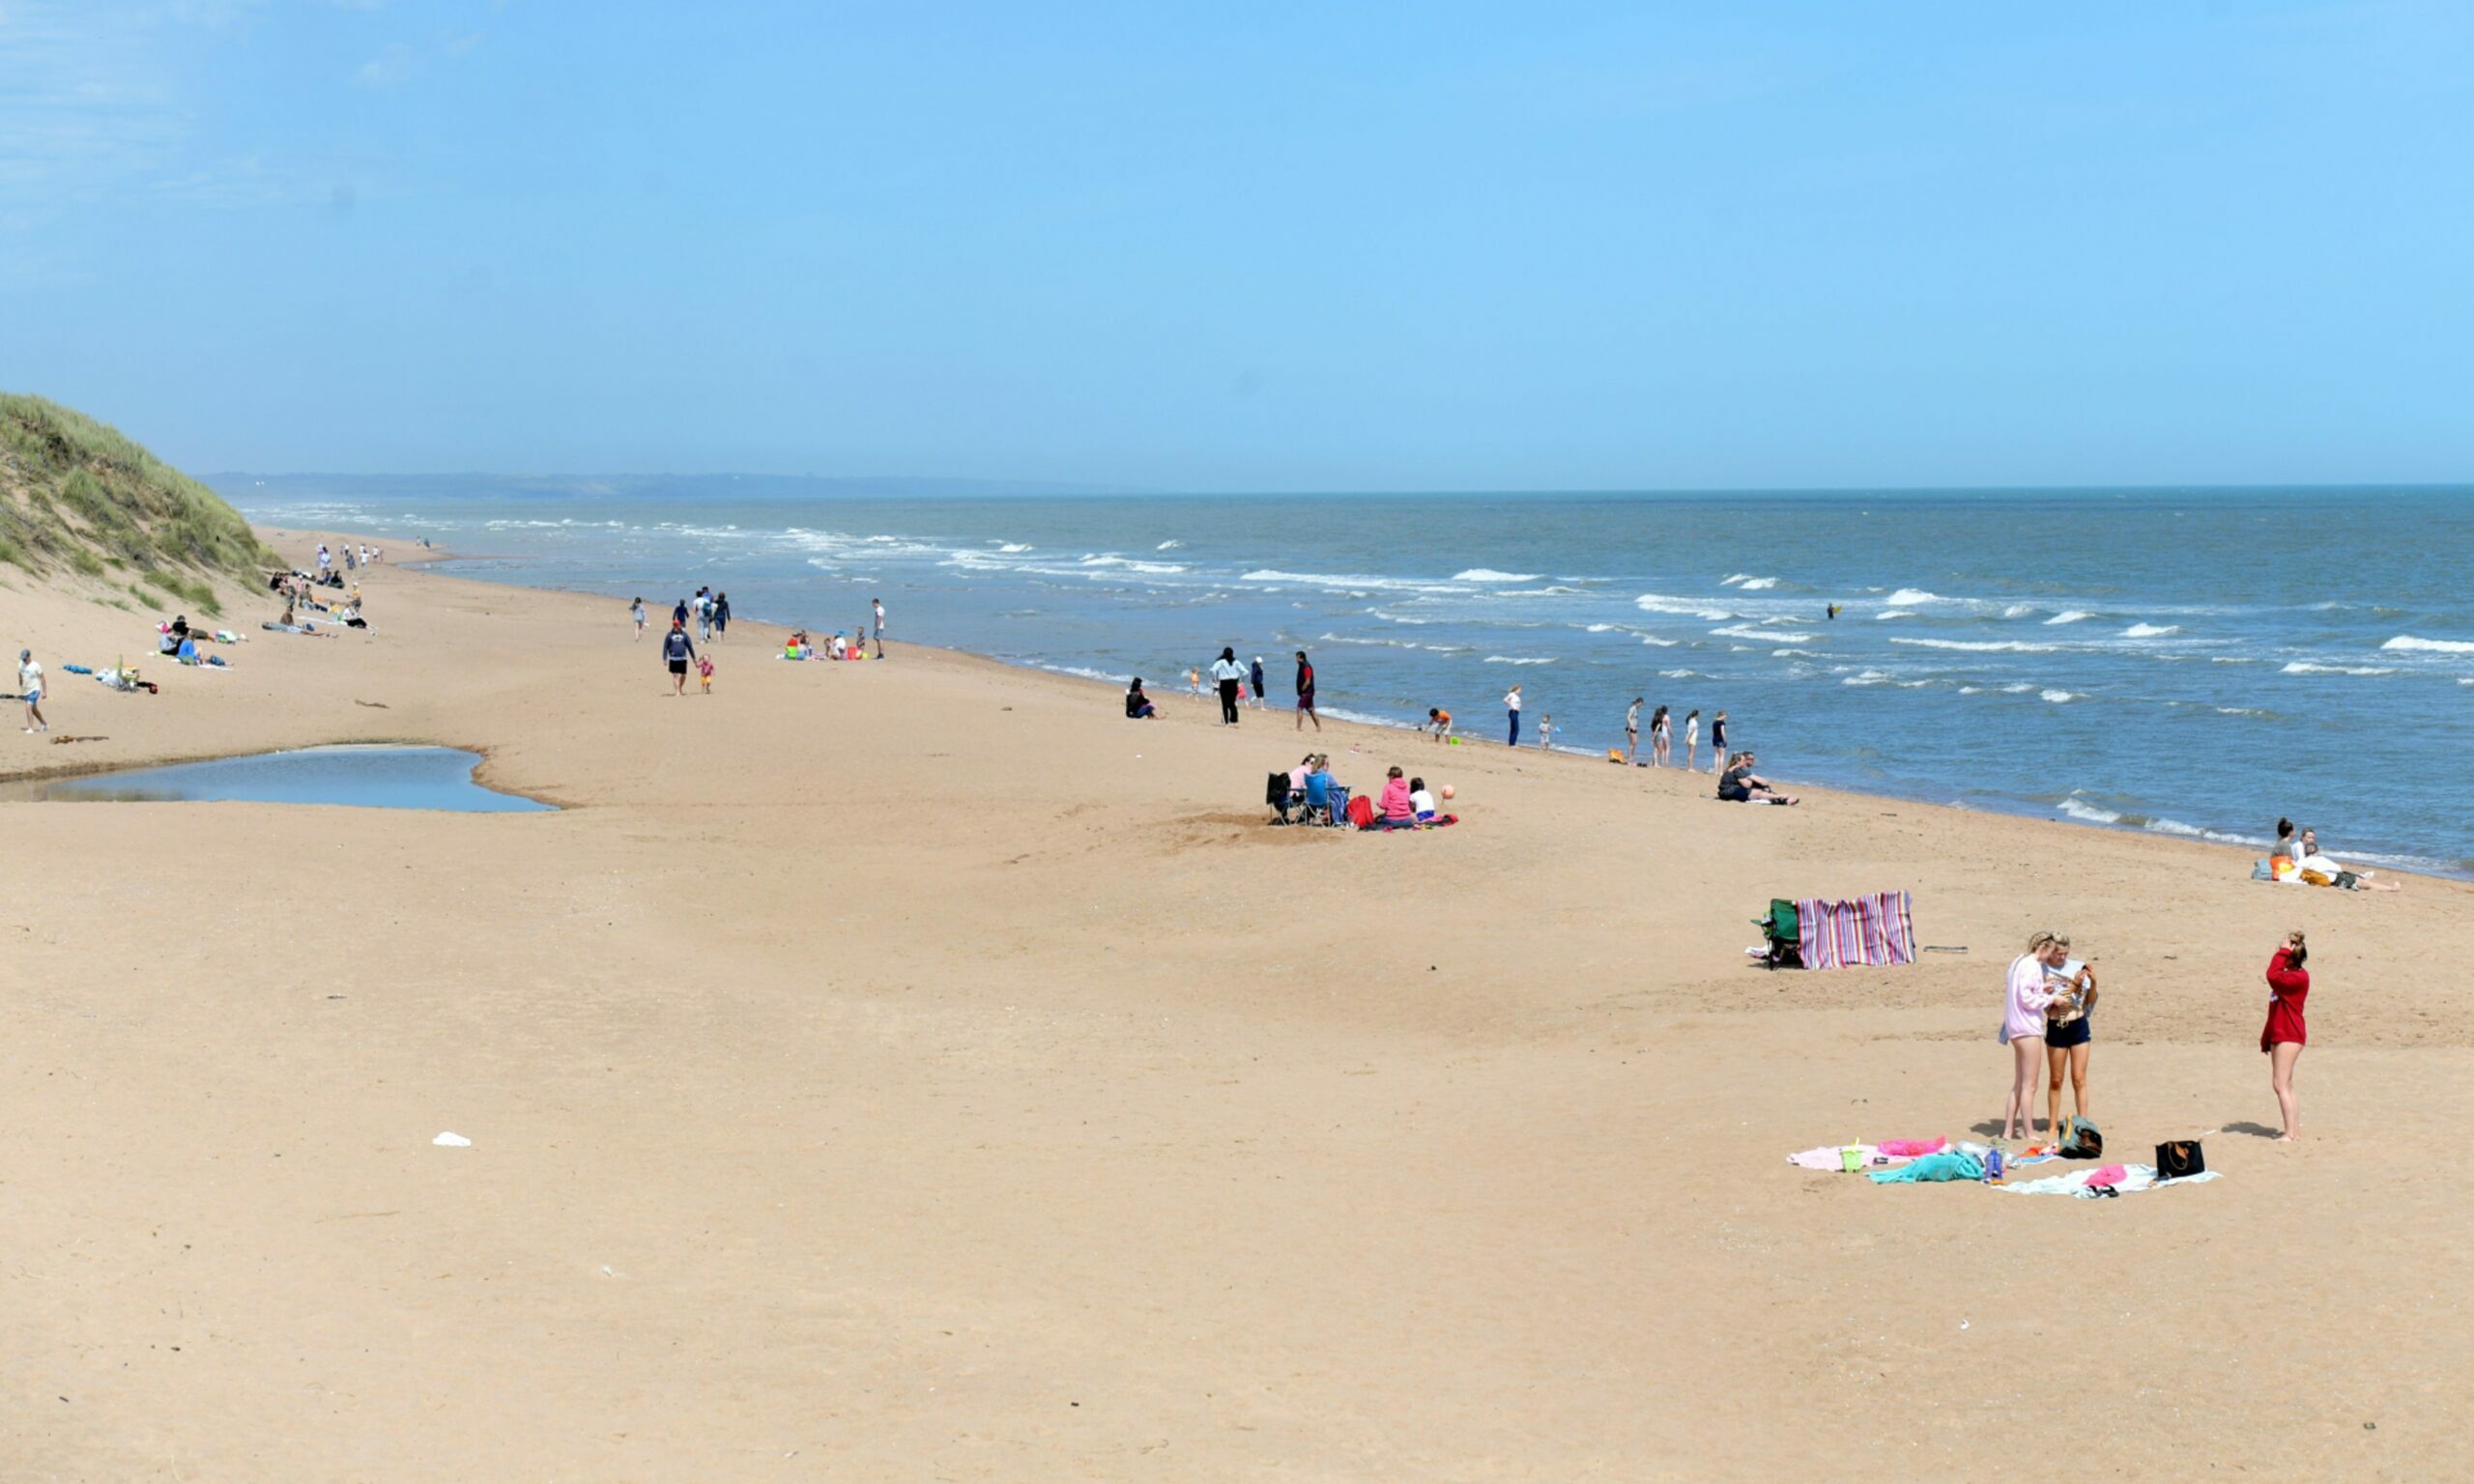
<point>1739,784</point>
<point>2317,869</point>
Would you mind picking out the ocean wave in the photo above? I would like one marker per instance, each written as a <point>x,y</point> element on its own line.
<point>2306,668</point>
<point>1129,564</point>
<point>1655,643</point>
<point>1976,646</point>
<point>1490,575</point>
<point>2092,814</point>
<point>1747,581</point>
<point>1397,619</point>
<point>1010,547</point>
<point>1168,546</point>
<point>2018,610</point>
<point>1683,607</point>
<point>1598,628</point>
<point>1766,635</point>
<point>2069,615</point>
<point>2430,646</point>
<point>1085,673</point>
<point>1513,658</point>
<point>2059,698</point>
<point>2151,630</point>
<point>1868,677</point>
<point>1345,582</point>
<point>1895,612</point>
<point>1686,675</point>
<point>1907,596</point>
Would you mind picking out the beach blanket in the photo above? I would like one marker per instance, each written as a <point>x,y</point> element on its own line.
<point>1862,932</point>
<point>2089,1184</point>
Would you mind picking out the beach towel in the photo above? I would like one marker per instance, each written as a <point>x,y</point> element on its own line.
<point>2129,1179</point>
<point>1950,1165</point>
<point>1864,932</point>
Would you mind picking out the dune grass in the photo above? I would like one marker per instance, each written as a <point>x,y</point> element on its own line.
<point>77,494</point>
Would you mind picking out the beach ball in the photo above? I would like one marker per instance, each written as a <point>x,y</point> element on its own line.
<point>1448,791</point>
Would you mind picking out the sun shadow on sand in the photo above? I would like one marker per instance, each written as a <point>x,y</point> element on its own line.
<point>2255,1131</point>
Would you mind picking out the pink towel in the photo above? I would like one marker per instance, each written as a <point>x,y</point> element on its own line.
<point>1913,1147</point>
<point>2110,1175</point>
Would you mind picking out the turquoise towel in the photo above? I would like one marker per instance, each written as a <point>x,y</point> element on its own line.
<point>1950,1165</point>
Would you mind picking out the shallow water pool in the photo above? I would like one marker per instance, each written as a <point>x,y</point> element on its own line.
<point>364,776</point>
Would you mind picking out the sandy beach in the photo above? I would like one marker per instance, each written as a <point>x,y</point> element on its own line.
<point>914,1071</point>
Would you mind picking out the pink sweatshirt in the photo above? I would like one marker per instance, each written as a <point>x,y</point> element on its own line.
<point>2028,998</point>
<point>1395,799</point>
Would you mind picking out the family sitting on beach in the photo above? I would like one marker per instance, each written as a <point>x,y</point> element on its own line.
<point>1308,792</point>
<point>2297,861</point>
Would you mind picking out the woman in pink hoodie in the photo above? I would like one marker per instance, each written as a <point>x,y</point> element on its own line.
<point>1397,811</point>
<point>2025,994</point>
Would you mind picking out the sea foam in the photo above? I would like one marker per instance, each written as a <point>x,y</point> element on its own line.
<point>2430,645</point>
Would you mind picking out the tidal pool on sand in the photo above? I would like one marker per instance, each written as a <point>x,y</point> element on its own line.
<point>367,776</point>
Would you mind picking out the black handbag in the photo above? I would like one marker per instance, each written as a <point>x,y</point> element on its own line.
<point>2180,1158</point>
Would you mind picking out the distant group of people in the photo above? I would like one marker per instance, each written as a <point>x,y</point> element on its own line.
<point>2048,1023</point>
<point>355,557</point>
<point>1662,737</point>
<point>1238,684</point>
<point>2297,860</point>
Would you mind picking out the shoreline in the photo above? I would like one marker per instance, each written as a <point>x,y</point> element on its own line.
<point>2385,863</point>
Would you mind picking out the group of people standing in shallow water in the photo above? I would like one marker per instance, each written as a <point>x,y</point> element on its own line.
<point>2048,1022</point>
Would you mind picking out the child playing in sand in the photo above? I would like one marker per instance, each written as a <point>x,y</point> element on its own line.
<point>705,673</point>
<point>1438,722</point>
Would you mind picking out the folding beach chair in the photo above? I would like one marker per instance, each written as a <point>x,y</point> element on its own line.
<point>1277,794</point>
<point>1779,925</point>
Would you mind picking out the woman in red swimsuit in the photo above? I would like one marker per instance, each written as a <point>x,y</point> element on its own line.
<point>2284,1036</point>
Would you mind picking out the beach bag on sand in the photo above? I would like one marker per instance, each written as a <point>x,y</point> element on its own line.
<point>1362,812</point>
<point>2180,1159</point>
<point>2082,1141</point>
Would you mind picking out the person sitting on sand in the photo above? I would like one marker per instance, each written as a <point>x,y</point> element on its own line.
<point>1739,784</point>
<point>2317,869</point>
<point>1397,811</point>
<point>1421,802</point>
<point>1138,706</point>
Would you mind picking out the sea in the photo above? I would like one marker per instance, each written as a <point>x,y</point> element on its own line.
<point>2184,662</point>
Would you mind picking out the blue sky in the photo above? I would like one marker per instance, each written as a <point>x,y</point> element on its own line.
<point>1253,248</point>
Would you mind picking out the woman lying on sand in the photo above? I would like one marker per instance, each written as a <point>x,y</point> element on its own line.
<point>2316,870</point>
<point>1739,784</point>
